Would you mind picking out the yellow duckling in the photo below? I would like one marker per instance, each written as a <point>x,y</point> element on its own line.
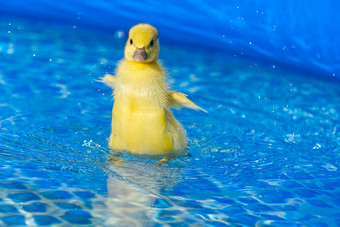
<point>142,123</point>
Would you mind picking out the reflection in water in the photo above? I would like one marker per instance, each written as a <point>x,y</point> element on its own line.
<point>133,189</point>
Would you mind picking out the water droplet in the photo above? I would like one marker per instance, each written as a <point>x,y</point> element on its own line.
<point>250,43</point>
<point>10,49</point>
<point>317,146</point>
<point>274,66</point>
<point>103,61</point>
<point>119,34</point>
<point>50,59</point>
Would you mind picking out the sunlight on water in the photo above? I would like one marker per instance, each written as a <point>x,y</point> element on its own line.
<point>267,152</point>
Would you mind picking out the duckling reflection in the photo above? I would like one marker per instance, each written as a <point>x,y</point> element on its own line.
<point>133,188</point>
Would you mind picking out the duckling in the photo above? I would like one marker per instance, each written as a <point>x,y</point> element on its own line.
<point>142,122</point>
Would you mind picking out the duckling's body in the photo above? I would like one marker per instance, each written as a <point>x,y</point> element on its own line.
<point>142,122</point>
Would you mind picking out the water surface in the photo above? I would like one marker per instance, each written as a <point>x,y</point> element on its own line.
<point>266,153</point>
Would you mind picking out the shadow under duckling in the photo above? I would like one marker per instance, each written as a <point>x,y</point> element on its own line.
<point>142,122</point>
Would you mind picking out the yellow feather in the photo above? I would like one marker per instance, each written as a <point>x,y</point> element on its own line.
<point>109,80</point>
<point>179,100</point>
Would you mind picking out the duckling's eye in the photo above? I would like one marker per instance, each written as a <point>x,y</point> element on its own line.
<point>151,43</point>
<point>131,42</point>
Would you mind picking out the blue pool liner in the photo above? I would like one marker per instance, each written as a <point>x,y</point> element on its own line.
<point>300,34</point>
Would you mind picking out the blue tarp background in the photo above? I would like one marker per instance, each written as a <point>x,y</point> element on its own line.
<point>300,34</point>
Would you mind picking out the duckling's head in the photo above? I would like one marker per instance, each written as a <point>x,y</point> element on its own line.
<point>142,45</point>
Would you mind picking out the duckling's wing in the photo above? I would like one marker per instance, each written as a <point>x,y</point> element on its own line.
<point>179,100</point>
<point>109,80</point>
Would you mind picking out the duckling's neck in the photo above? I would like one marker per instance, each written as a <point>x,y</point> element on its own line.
<point>140,70</point>
<point>141,80</point>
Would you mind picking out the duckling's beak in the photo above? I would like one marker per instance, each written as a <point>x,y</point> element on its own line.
<point>139,55</point>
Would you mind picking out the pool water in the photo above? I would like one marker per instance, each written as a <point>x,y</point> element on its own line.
<point>267,153</point>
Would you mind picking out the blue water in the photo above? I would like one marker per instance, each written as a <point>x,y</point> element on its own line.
<point>267,153</point>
